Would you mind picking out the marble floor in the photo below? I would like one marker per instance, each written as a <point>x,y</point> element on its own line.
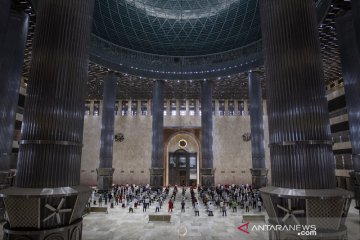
<point>118,224</point>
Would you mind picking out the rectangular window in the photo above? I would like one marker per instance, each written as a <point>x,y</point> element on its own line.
<point>193,166</point>
<point>182,161</point>
<point>182,107</point>
<point>221,107</point>
<point>165,107</point>
<point>231,107</point>
<point>124,108</point>
<point>173,107</point>
<point>96,108</point>
<point>116,110</point>
<point>199,108</point>
<point>241,107</point>
<point>192,107</point>
<point>193,161</point>
<point>172,161</point>
<point>193,174</point>
<point>134,105</point>
<point>144,104</point>
<point>87,108</point>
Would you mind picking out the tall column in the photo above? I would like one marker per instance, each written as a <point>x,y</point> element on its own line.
<point>12,57</point>
<point>4,17</point>
<point>355,6</point>
<point>246,107</point>
<point>258,170</point>
<point>207,170</point>
<point>157,154</point>
<point>350,59</point>
<point>236,107</point>
<point>47,196</point>
<point>226,107</point>
<point>197,107</point>
<point>105,171</point>
<point>303,171</point>
<point>177,107</point>
<point>138,109</point>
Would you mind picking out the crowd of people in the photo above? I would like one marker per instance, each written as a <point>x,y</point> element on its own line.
<point>222,197</point>
<point>228,197</point>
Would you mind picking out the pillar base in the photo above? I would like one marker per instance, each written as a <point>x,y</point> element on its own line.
<point>70,232</point>
<point>355,177</point>
<point>39,213</point>
<point>6,179</point>
<point>104,178</point>
<point>156,177</point>
<point>326,209</point>
<point>259,177</point>
<point>207,177</point>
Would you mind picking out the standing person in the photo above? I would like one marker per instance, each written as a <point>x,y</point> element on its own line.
<point>171,206</point>
<point>254,202</point>
<point>211,209</point>
<point>196,209</point>
<point>117,200</point>
<point>135,202</point>
<point>259,203</point>
<point>88,205</point>
<point>100,201</point>
<point>224,210</point>
<point>112,202</point>
<point>131,209</point>
<point>147,202</point>
<point>183,205</point>
<point>157,206</point>
<point>234,205</point>
<point>160,201</point>
<point>221,205</point>
<point>247,205</point>
<point>144,206</point>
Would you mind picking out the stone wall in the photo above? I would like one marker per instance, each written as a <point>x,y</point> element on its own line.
<point>232,155</point>
<point>132,156</point>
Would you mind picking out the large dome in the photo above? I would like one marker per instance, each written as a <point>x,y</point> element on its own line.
<point>178,27</point>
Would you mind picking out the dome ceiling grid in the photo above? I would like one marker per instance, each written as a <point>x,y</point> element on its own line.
<point>168,36</point>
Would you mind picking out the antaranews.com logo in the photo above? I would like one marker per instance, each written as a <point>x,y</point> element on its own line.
<point>302,230</point>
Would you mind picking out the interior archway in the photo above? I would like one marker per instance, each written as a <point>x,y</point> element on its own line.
<point>175,148</point>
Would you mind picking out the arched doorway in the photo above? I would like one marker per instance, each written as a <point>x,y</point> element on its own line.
<point>182,160</point>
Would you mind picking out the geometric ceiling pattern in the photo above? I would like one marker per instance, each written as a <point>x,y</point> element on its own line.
<point>230,86</point>
<point>178,27</point>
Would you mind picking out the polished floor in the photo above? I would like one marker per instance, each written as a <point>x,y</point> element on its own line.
<point>118,224</point>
